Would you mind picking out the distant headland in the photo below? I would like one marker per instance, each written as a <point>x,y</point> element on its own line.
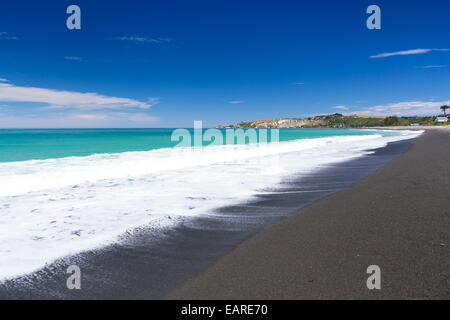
<point>338,120</point>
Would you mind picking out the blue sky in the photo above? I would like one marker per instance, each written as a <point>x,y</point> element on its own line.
<point>168,63</point>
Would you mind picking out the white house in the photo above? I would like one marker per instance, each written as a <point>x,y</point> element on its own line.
<point>441,119</point>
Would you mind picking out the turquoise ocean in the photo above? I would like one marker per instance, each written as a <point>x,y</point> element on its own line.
<point>63,192</point>
<point>21,145</point>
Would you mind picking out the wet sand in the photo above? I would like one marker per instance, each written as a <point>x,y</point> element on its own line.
<point>149,264</point>
<point>397,218</point>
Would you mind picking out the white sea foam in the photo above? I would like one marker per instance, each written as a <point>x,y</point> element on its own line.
<point>53,208</point>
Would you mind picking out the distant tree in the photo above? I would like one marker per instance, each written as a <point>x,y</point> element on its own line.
<point>403,122</point>
<point>391,121</point>
<point>396,121</point>
<point>444,108</point>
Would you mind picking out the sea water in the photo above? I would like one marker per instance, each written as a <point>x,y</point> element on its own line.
<point>63,192</point>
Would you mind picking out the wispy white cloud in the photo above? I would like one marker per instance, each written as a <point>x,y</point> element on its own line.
<point>406,108</point>
<point>114,116</point>
<point>4,80</point>
<point>236,101</point>
<point>90,117</point>
<point>73,58</point>
<point>434,66</point>
<point>7,36</point>
<point>341,107</point>
<point>299,83</point>
<point>144,39</point>
<point>78,120</point>
<point>406,52</point>
<point>56,99</point>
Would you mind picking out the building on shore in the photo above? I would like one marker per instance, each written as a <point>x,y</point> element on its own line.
<point>441,119</point>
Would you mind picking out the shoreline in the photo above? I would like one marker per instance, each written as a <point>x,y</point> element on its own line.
<point>397,218</point>
<point>412,128</point>
<point>150,265</point>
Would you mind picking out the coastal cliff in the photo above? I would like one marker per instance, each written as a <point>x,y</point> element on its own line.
<point>278,123</point>
<point>338,120</point>
<point>326,121</point>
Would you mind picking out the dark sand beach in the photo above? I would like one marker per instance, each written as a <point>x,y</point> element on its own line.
<point>149,264</point>
<point>397,218</point>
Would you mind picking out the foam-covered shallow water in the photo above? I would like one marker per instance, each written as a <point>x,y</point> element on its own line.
<point>54,208</point>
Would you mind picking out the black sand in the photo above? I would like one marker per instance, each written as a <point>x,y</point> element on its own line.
<point>149,264</point>
<point>397,218</point>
